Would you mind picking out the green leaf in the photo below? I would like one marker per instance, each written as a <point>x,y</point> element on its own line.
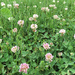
<point>34,64</point>
<point>6,13</point>
<point>24,53</point>
<point>63,73</point>
<point>46,35</point>
<point>29,48</point>
<point>1,27</point>
<point>1,66</point>
<point>70,48</point>
<point>72,70</point>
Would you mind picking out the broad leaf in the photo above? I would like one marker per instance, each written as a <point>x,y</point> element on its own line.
<point>6,13</point>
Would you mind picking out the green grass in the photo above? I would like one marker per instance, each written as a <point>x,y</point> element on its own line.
<point>30,43</point>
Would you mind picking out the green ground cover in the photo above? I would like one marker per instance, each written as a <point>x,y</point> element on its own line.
<point>37,32</point>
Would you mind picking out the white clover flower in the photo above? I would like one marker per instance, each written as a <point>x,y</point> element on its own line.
<point>66,8</point>
<point>34,26</point>
<point>55,7</point>
<point>62,31</point>
<point>55,17</point>
<point>53,0</point>
<point>9,5</point>
<point>10,18</point>
<point>14,2</point>
<point>31,19</point>
<point>64,2</point>
<point>47,9</point>
<point>60,53</point>
<point>21,2</point>
<point>2,4</point>
<point>57,1</point>
<point>34,6</point>
<point>60,23</point>
<point>35,16</point>
<point>58,18</point>
<point>28,6</point>
<point>71,53</point>
<point>43,8</point>
<point>52,5</point>
<point>57,33</point>
<point>0,40</point>
<point>40,2</point>
<point>63,19</point>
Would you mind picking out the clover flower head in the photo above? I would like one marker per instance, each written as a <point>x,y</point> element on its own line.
<point>55,17</point>
<point>14,49</point>
<point>15,30</point>
<point>24,67</point>
<point>20,22</point>
<point>2,4</point>
<point>9,5</point>
<point>46,46</point>
<point>35,16</point>
<point>62,31</point>
<point>0,40</point>
<point>60,54</point>
<point>16,5</point>
<point>49,57</point>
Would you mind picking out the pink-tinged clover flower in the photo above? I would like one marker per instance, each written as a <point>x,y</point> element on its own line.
<point>35,16</point>
<point>2,4</point>
<point>15,30</point>
<point>14,49</point>
<point>60,54</point>
<point>24,67</point>
<point>21,22</point>
<point>7,43</point>
<point>62,31</point>
<point>49,57</point>
<point>46,46</point>
<point>34,27</point>
<point>45,9</point>
<point>52,5</point>
<point>31,19</point>
<point>55,17</point>
<point>51,44</point>
<point>16,5</point>
<point>74,36</point>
